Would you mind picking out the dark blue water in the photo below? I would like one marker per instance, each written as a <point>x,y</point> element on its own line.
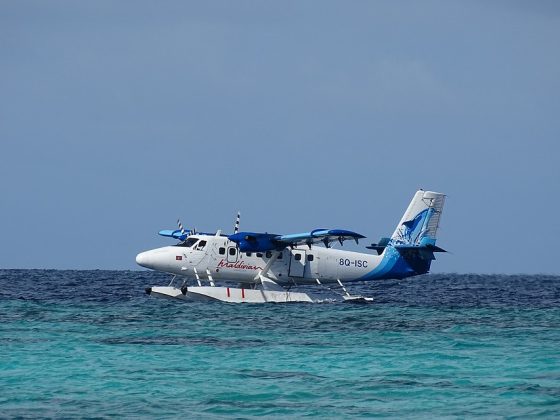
<point>92,344</point>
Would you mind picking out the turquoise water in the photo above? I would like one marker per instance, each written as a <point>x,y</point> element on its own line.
<point>92,344</point>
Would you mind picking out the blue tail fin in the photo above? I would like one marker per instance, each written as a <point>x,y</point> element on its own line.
<point>420,222</point>
<point>415,235</point>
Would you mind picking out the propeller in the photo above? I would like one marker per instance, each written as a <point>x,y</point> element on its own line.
<point>181,228</point>
<point>185,233</point>
<point>180,233</point>
<point>236,227</point>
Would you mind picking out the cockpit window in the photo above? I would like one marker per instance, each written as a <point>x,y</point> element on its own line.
<point>200,246</point>
<point>188,242</point>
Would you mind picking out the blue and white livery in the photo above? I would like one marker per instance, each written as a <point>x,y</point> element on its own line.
<point>264,266</point>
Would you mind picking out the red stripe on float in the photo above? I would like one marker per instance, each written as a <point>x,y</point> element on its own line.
<point>243,293</point>
<point>228,292</point>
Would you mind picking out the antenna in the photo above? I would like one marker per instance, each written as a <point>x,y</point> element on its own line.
<point>236,228</point>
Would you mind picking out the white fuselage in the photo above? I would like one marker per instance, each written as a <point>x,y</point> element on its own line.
<point>216,257</point>
<point>294,259</point>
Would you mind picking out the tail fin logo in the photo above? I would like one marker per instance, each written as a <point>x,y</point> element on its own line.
<point>412,231</point>
<point>420,221</point>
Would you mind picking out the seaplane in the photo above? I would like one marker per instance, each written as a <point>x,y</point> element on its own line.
<point>253,267</point>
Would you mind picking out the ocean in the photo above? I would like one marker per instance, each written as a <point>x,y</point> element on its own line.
<point>93,344</point>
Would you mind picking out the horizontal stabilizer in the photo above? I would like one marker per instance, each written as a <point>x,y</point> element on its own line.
<point>380,247</point>
<point>431,248</point>
<point>415,254</point>
<point>377,248</point>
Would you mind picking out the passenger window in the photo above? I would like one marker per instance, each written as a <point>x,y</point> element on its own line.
<point>222,250</point>
<point>310,257</point>
<point>232,251</point>
<point>259,254</point>
<point>249,254</point>
<point>268,254</point>
<point>297,257</point>
<point>280,255</point>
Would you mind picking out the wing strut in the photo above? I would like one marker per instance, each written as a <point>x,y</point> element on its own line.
<point>264,271</point>
<point>353,298</point>
<point>268,283</point>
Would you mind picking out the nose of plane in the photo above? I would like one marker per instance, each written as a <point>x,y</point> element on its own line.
<point>143,259</point>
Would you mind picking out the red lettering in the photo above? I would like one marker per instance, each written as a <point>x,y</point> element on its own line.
<point>238,265</point>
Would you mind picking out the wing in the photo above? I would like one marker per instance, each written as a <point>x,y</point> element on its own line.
<point>259,242</point>
<point>326,236</point>
<point>177,234</point>
<point>180,233</point>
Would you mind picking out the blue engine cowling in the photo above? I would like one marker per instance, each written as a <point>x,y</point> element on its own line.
<point>254,242</point>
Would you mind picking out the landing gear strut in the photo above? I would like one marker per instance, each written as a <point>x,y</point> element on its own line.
<point>353,298</point>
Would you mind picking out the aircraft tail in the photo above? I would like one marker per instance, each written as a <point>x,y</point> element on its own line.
<point>415,236</point>
<point>420,222</point>
<point>410,250</point>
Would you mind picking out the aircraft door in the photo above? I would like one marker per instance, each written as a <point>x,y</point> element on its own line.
<point>232,254</point>
<point>312,265</point>
<point>297,263</point>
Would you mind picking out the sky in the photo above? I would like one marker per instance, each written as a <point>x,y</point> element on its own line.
<point>117,118</point>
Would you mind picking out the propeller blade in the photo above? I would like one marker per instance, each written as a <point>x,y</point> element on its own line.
<point>181,228</point>
<point>236,228</point>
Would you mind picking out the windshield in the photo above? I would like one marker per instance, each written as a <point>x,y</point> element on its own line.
<point>188,242</point>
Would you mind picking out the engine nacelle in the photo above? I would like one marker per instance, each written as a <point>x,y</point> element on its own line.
<point>254,242</point>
